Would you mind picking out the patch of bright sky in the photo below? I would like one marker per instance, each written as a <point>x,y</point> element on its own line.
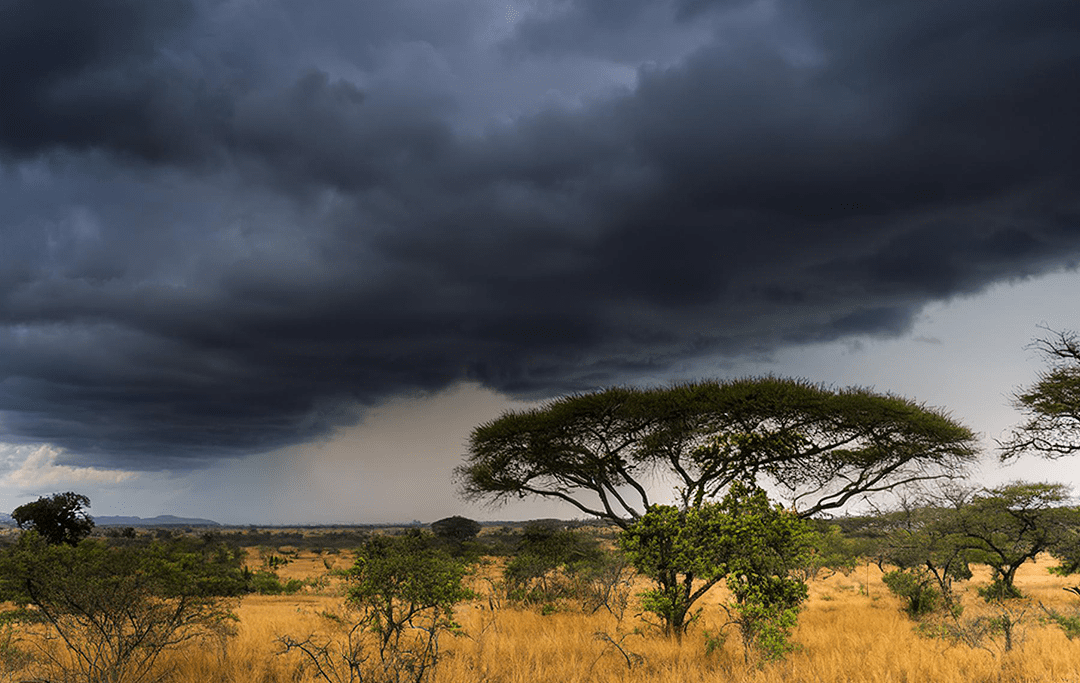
<point>967,355</point>
<point>29,471</point>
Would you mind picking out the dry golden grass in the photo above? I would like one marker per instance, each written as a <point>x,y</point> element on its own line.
<point>851,631</point>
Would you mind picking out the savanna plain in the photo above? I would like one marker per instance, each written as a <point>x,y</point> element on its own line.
<point>850,629</point>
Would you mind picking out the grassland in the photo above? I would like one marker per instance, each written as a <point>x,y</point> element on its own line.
<point>851,630</point>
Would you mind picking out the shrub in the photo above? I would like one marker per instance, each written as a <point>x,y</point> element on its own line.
<point>400,601</point>
<point>117,609</point>
<point>265,582</point>
<point>551,565</point>
<point>999,590</point>
<point>921,598</point>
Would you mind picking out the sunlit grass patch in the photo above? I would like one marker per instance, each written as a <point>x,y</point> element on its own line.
<point>852,630</point>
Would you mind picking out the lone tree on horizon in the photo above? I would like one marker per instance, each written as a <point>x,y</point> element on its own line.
<point>456,528</point>
<point>817,446</point>
<point>59,518</point>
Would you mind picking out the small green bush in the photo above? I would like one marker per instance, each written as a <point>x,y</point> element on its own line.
<point>999,590</point>
<point>265,582</point>
<point>552,565</point>
<point>920,596</point>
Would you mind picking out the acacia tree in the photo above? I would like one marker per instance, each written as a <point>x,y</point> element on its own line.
<point>820,448</point>
<point>58,518</point>
<point>456,529</point>
<point>928,546</point>
<point>602,452</point>
<point>1009,525</point>
<point>1052,405</point>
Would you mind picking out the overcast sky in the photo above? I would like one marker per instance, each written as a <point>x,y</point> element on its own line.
<point>270,261</point>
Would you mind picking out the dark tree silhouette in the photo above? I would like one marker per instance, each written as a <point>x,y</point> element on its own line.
<point>817,447</point>
<point>457,529</point>
<point>58,518</point>
<point>1052,404</point>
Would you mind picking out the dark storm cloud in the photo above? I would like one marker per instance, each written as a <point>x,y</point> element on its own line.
<point>79,74</point>
<point>619,30</point>
<point>232,226</point>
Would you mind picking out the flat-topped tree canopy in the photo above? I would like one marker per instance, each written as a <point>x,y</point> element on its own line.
<point>818,446</point>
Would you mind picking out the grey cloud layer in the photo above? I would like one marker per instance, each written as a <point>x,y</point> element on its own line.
<point>231,226</point>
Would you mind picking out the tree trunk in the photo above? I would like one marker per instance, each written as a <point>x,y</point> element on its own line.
<point>675,620</point>
<point>1007,582</point>
<point>676,625</point>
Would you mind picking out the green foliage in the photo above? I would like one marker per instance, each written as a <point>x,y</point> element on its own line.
<point>1066,549</point>
<point>766,620</point>
<point>266,582</point>
<point>714,642</point>
<point>121,534</point>
<point>117,609</point>
<point>743,539</point>
<point>819,446</point>
<point>402,592</point>
<point>674,547</point>
<point>1002,527</point>
<point>999,590</point>
<point>59,518</point>
<point>672,605</point>
<point>1070,625</point>
<point>930,544</point>
<point>404,587</point>
<point>916,588</point>
<point>401,575</point>
<point>1010,525</point>
<point>329,540</point>
<point>292,586</point>
<point>551,564</point>
<point>767,543</point>
<point>831,551</point>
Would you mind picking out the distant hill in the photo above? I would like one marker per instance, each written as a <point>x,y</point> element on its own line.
<point>160,520</point>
